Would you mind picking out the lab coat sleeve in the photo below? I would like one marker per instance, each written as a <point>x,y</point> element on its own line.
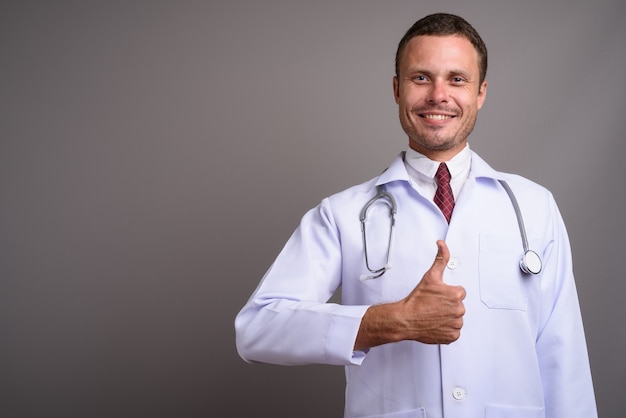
<point>288,319</point>
<point>561,345</point>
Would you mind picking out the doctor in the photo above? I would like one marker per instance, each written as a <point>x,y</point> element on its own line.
<point>452,327</point>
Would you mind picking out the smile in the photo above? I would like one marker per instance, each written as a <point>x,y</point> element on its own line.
<point>436,117</point>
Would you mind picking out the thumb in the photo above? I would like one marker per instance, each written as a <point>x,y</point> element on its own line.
<point>440,262</point>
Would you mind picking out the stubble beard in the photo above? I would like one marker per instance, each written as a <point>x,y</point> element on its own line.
<point>434,140</point>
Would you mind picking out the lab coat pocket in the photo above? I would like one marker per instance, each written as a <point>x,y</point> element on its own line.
<point>505,411</point>
<point>501,280</point>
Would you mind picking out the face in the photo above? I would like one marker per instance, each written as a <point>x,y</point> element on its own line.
<point>439,94</point>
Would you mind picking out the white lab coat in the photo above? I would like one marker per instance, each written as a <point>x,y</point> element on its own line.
<point>522,350</point>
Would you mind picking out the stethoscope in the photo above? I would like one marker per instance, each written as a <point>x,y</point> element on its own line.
<point>529,264</point>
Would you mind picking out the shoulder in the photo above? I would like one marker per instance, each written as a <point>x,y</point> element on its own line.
<point>524,184</point>
<point>486,175</point>
<point>364,191</point>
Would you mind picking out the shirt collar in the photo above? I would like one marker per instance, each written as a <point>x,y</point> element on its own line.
<point>458,165</point>
<point>397,170</point>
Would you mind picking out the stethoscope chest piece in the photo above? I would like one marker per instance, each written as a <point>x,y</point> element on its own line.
<point>530,262</point>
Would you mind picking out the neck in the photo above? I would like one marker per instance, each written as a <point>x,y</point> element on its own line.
<point>439,155</point>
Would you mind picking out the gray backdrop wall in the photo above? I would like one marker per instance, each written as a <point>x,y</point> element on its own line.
<point>155,156</point>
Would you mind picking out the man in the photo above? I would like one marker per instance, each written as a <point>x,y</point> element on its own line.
<point>447,324</point>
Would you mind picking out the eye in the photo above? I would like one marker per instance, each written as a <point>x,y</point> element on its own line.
<point>419,78</point>
<point>457,80</point>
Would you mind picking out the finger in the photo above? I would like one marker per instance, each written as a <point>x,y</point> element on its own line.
<point>441,260</point>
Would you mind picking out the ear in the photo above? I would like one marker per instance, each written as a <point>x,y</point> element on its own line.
<point>482,94</point>
<point>396,89</point>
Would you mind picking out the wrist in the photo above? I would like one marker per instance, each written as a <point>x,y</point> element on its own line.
<point>381,324</point>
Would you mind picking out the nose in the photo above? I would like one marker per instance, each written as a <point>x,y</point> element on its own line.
<point>438,93</point>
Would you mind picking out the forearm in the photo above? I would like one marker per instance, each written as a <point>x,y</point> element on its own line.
<point>380,325</point>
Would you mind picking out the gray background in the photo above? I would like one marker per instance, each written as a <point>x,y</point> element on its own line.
<point>156,155</point>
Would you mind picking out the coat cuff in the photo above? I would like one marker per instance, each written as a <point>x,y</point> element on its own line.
<point>342,336</point>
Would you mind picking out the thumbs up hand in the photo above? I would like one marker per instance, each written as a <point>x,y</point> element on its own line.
<point>433,311</point>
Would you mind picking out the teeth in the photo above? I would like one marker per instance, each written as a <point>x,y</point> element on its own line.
<point>437,117</point>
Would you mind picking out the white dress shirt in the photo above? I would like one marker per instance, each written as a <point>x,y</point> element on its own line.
<point>422,171</point>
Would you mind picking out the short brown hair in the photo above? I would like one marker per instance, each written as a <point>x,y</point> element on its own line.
<point>445,24</point>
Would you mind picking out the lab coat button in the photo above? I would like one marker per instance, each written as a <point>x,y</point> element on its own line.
<point>453,263</point>
<point>458,394</point>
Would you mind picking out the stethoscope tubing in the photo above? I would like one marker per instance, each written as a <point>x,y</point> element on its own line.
<point>390,201</point>
<point>529,264</point>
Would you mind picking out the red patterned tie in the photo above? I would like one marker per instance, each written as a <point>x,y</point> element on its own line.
<point>443,196</point>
